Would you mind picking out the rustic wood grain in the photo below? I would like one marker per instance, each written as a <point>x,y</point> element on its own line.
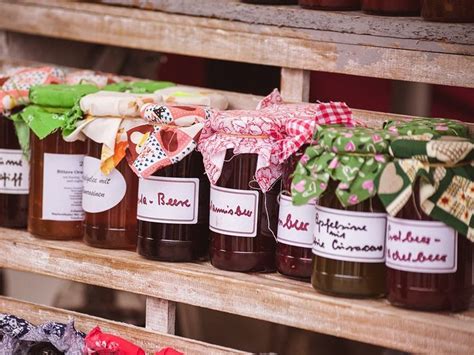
<point>150,341</point>
<point>231,40</point>
<point>294,84</point>
<point>160,315</point>
<point>268,297</point>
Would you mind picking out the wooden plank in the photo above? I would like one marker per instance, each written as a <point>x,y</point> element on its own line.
<point>150,341</point>
<point>160,315</point>
<point>295,84</point>
<point>269,297</point>
<point>231,40</point>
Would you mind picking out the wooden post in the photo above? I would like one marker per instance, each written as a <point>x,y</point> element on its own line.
<point>160,315</point>
<point>294,84</point>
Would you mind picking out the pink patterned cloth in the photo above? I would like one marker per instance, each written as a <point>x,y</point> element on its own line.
<point>172,135</point>
<point>91,77</point>
<point>15,89</point>
<point>274,131</point>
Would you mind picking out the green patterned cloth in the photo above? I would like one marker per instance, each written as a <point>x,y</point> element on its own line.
<point>445,168</point>
<point>432,126</point>
<point>60,95</point>
<point>139,87</point>
<point>351,156</point>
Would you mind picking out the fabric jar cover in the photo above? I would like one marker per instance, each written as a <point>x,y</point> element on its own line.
<point>186,95</point>
<point>15,89</point>
<point>138,87</point>
<point>108,116</point>
<point>354,157</point>
<point>106,344</point>
<point>171,135</point>
<point>168,351</point>
<point>431,126</point>
<point>92,77</point>
<point>445,169</point>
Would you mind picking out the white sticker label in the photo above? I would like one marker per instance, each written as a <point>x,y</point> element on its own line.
<point>350,236</point>
<point>62,187</point>
<point>421,246</point>
<point>101,192</point>
<point>14,172</point>
<point>233,211</point>
<point>168,200</point>
<point>295,223</point>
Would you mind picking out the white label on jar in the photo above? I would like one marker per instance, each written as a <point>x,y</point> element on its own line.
<point>421,246</point>
<point>101,192</point>
<point>14,172</point>
<point>295,223</point>
<point>350,236</point>
<point>233,211</point>
<point>62,187</point>
<point>168,200</point>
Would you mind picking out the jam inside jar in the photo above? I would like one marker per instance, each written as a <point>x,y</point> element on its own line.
<point>330,4</point>
<point>241,217</point>
<point>392,7</point>
<point>339,269</point>
<point>419,284</point>
<point>109,202</point>
<point>448,10</point>
<point>55,199</point>
<point>295,230</point>
<point>177,227</point>
<point>14,173</point>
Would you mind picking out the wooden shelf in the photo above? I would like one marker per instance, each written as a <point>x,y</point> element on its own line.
<point>269,297</point>
<point>148,340</point>
<point>348,43</point>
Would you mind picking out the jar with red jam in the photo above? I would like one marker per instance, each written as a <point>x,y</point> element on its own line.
<point>242,218</point>
<point>173,196</point>
<point>426,192</point>
<point>271,2</point>
<point>336,5</point>
<point>14,178</point>
<point>55,199</point>
<point>295,229</point>
<point>109,201</point>
<point>392,7</point>
<point>448,10</point>
<point>349,232</point>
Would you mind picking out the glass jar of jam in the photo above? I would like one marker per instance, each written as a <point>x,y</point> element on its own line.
<point>448,10</point>
<point>109,202</point>
<point>330,4</point>
<point>392,7</point>
<point>271,2</point>
<point>173,212</point>
<point>349,247</point>
<point>14,178</point>
<point>295,229</point>
<point>55,199</point>
<point>241,218</point>
<point>429,264</point>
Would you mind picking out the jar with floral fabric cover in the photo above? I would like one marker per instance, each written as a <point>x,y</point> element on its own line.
<point>296,223</point>
<point>173,196</point>
<point>428,192</point>
<point>14,164</point>
<point>55,210</point>
<point>110,187</point>
<point>349,234</point>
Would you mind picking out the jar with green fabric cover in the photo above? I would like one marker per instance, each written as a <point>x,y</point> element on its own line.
<point>349,234</point>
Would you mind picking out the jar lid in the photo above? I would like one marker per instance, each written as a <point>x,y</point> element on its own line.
<point>427,126</point>
<point>60,95</point>
<point>353,140</point>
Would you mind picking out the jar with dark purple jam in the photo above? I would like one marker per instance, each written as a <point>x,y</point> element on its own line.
<point>429,263</point>
<point>448,10</point>
<point>173,212</point>
<point>109,202</point>
<point>55,199</point>
<point>14,178</point>
<point>349,247</point>
<point>242,219</point>
<point>295,229</point>
<point>392,7</point>
<point>330,4</point>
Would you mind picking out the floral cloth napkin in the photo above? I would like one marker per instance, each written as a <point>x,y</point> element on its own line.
<point>444,167</point>
<point>431,126</point>
<point>354,157</point>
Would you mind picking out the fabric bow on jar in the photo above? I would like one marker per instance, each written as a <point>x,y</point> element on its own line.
<point>445,169</point>
<point>172,134</point>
